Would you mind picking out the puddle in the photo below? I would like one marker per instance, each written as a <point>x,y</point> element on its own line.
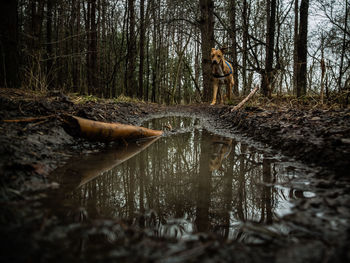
<point>185,182</point>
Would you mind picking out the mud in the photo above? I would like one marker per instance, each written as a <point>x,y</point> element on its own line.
<point>318,228</point>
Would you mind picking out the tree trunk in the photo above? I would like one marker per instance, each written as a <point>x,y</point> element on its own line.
<point>49,37</point>
<point>295,51</point>
<point>344,46</point>
<point>9,59</point>
<point>92,49</point>
<point>37,12</point>
<point>155,47</point>
<point>245,45</point>
<point>142,48</point>
<point>207,34</point>
<point>77,61</point>
<point>323,69</point>
<point>131,67</point>
<point>233,4</point>
<point>267,77</point>
<point>302,48</point>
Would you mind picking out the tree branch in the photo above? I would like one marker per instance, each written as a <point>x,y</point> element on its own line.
<point>239,105</point>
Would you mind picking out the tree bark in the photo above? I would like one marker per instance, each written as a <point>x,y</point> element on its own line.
<point>49,37</point>
<point>302,48</point>
<point>267,77</point>
<point>295,51</point>
<point>245,46</point>
<point>37,12</point>
<point>142,48</point>
<point>9,58</point>
<point>344,46</point>
<point>233,33</point>
<point>207,35</point>
<point>92,48</point>
<point>131,67</point>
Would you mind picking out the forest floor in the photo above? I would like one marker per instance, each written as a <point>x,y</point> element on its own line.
<point>30,150</point>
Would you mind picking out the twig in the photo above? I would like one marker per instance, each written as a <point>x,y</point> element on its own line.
<point>239,105</point>
<point>35,124</point>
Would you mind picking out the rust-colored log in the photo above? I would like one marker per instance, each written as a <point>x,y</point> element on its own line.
<point>102,131</point>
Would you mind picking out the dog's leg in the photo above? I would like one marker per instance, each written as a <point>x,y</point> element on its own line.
<point>222,96</point>
<point>215,91</point>
<point>229,86</point>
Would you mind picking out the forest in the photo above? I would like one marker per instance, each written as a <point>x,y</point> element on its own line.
<point>120,143</point>
<point>159,51</point>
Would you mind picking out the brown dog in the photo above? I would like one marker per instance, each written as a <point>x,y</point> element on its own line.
<point>222,73</point>
<point>221,149</point>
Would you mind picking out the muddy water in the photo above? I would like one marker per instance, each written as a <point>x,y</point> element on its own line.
<point>185,182</point>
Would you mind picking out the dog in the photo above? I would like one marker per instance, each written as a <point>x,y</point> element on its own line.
<point>222,72</point>
<point>221,150</point>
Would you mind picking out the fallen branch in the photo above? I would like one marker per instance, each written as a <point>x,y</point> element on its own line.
<point>239,105</point>
<point>102,131</point>
<point>31,119</point>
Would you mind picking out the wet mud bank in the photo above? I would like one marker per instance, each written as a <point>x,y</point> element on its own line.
<point>318,228</point>
<point>314,136</point>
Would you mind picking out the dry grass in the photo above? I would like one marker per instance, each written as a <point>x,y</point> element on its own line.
<point>291,101</point>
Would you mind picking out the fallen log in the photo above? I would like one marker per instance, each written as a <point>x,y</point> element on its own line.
<point>105,132</point>
<point>239,105</point>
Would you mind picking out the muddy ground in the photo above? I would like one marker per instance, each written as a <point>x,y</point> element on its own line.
<point>30,150</point>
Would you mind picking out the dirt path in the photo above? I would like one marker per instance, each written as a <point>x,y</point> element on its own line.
<point>31,150</point>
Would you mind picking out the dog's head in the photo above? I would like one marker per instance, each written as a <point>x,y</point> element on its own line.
<point>216,56</point>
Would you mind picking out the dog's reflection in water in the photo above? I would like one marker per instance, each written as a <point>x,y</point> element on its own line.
<point>221,149</point>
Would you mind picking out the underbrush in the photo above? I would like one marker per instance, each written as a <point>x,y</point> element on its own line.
<point>81,99</point>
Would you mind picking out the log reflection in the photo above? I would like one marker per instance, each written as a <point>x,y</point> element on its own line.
<point>188,182</point>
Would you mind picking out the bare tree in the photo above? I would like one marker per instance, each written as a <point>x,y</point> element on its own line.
<point>9,60</point>
<point>131,87</point>
<point>245,24</point>
<point>295,51</point>
<point>92,48</point>
<point>302,48</point>
<point>233,32</point>
<point>267,76</point>
<point>207,38</point>
<point>142,48</point>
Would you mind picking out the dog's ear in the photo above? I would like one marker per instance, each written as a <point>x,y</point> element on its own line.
<point>224,49</point>
<point>213,49</point>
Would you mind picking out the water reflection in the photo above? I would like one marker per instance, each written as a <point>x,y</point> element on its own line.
<point>192,181</point>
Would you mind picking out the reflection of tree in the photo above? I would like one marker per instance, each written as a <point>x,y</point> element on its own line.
<point>204,185</point>
<point>130,189</point>
<point>241,185</point>
<point>266,208</point>
<point>228,192</point>
<point>142,175</point>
